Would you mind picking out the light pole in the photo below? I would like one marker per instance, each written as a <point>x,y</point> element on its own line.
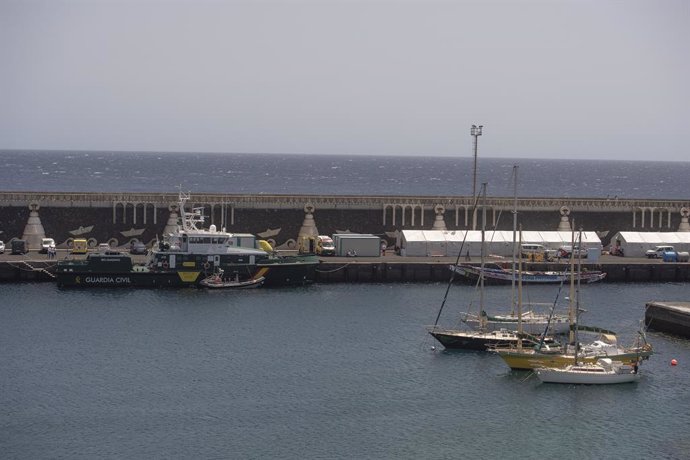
<point>476,131</point>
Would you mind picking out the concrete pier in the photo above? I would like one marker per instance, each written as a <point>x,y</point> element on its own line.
<point>671,317</point>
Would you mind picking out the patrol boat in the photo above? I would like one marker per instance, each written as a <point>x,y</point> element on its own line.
<point>186,257</point>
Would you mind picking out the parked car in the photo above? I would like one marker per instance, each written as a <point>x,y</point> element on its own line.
<point>577,252</point>
<point>658,252</point>
<point>103,247</point>
<point>46,245</point>
<point>138,248</point>
<point>2,247</point>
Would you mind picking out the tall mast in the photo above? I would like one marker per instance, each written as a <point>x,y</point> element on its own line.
<point>481,266</point>
<point>519,300</point>
<point>572,315</point>
<point>577,294</point>
<point>515,246</point>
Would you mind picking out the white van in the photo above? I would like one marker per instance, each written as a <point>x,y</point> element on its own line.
<point>325,246</point>
<point>46,245</point>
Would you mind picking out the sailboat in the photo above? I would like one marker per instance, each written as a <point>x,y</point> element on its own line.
<point>532,323</point>
<point>604,371</point>
<point>500,275</point>
<point>480,338</point>
<point>545,356</point>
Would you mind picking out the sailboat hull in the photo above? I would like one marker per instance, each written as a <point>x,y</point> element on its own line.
<point>530,359</point>
<point>571,376</point>
<point>507,276</point>
<point>473,340</point>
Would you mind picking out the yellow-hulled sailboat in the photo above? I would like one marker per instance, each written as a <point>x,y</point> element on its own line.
<point>540,356</point>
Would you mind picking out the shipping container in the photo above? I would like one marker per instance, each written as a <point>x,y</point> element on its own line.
<point>357,245</point>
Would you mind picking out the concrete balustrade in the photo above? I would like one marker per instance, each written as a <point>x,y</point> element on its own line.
<point>118,215</point>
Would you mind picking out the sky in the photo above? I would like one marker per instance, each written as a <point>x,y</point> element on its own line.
<point>564,79</point>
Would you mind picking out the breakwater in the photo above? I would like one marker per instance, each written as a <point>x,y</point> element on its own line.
<point>118,218</point>
<point>672,317</point>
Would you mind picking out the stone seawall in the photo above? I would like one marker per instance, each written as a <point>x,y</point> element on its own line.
<point>120,218</point>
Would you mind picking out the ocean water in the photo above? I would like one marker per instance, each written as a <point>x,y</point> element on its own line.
<point>336,175</point>
<point>325,371</point>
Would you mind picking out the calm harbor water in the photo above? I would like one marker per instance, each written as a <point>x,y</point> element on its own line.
<point>325,371</point>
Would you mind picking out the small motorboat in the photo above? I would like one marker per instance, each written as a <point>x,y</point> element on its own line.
<point>604,371</point>
<point>217,281</point>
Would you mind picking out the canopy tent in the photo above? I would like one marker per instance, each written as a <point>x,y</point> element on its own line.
<point>423,243</point>
<point>635,244</point>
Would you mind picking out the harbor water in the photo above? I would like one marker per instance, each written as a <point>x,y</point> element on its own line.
<point>325,371</point>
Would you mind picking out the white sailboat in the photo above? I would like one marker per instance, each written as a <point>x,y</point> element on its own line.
<point>604,371</point>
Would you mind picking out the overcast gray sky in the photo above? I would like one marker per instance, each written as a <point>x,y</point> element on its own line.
<point>547,79</point>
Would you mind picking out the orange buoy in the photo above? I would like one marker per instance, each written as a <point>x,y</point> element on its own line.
<point>674,362</point>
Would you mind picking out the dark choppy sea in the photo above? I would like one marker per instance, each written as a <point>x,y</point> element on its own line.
<point>336,175</point>
<point>325,371</point>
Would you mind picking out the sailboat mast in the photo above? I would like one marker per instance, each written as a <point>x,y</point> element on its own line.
<point>577,294</point>
<point>571,306</point>
<point>481,252</point>
<point>515,246</point>
<point>519,300</point>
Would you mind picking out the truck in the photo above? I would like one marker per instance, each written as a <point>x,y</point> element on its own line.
<point>659,251</point>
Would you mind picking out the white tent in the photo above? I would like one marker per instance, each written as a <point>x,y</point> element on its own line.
<point>635,244</point>
<point>435,243</point>
<point>423,243</point>
<point>413,243</point>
